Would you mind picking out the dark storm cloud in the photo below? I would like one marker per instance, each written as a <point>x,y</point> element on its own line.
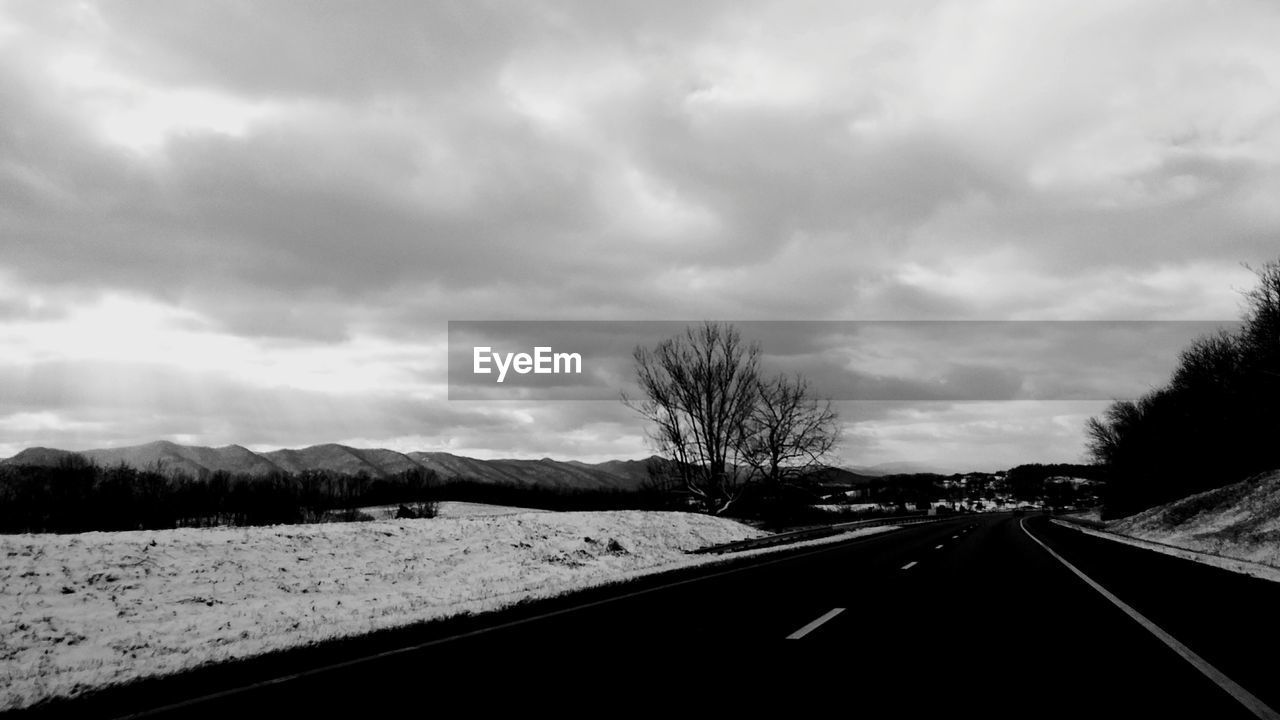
<point>326,175</point>
<point>402,155</point>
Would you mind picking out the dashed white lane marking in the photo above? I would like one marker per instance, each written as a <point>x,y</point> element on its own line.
<point>1244,697</point>
<point>814,625</point>
<point>953,537</point>
<point>937,547</point>
<point>909,565</point>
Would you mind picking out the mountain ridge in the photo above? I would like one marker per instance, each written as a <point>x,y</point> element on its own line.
<point>897,468</point>
<point>201,461</point>
<point>381,462</point>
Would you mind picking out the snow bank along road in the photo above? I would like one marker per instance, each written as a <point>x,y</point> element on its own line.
<point>970,616</point>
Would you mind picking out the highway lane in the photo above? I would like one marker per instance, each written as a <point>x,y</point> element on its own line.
<point>965,614</point>
<point>1003,620</point>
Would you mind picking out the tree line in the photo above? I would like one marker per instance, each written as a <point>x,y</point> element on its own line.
<point>78,495</point>
<point>1215,422</point>
<point>544,497</point>
<point>1031,481</point>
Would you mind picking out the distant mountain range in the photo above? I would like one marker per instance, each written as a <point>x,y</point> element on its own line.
<point>200,461</point>
<point>834,477</point>
<point>898,468</point>
<point>565,474</point>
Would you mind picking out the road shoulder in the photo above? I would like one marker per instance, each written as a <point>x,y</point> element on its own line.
<point>1236,565</point>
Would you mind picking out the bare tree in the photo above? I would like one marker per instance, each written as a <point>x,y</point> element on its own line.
<point>699,392</point>
<point>789,433</point>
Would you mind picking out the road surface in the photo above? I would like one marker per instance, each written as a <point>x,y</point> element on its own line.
<point>969,616</point>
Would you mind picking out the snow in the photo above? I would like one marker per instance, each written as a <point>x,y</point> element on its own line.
<point>1224,562</point>
<point>852,507</point>
<point>455,508</point>
<point>1092,516</point>
<point>1239,521</point>
<point>78,612</point>
<point>450,509</point>
<point>1234,527</point>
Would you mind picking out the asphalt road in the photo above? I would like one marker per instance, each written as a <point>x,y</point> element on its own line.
<point>967,617</point>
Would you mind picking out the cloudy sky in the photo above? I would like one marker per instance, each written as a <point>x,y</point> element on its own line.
<point>250,222</point>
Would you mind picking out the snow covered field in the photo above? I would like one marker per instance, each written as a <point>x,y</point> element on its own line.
<point>457,508</point>
<point>451,509</point>
<point>87,610</point>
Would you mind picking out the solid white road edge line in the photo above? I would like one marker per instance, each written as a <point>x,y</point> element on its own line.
<point>1244,697</point>
<point>814,625</point>
<point>909,565</point>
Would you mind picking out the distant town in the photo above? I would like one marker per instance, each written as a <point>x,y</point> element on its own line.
<point>1059,487</point>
